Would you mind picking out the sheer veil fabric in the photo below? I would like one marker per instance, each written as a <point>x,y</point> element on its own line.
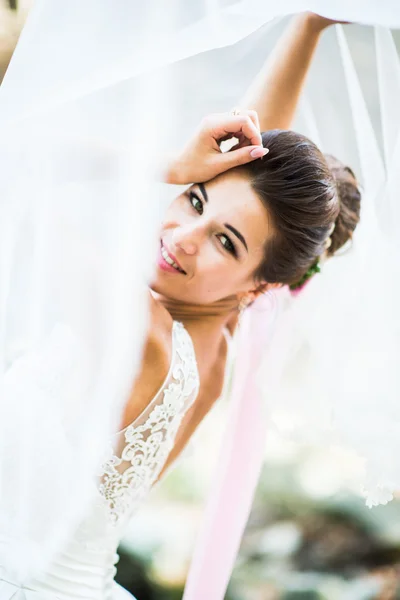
<point>94,97</point>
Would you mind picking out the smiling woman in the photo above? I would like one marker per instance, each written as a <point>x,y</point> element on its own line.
<point>253,219</point>
<point>254,227</point>
<point>226,241</point>
<point>215,232</point>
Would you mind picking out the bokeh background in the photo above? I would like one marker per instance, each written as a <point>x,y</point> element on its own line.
<point>309,535</point>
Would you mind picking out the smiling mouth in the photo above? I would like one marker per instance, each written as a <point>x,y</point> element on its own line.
<point>170,260</point>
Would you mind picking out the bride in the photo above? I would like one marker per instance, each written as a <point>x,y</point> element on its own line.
<point>259,217</point>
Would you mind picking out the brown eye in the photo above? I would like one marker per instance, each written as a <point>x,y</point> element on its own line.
<point>196,203</point>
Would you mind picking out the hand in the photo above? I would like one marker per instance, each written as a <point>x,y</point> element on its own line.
<point>320,22</point>
<point>202,158</point>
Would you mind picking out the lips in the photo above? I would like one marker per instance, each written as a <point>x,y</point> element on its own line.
<point>170,259</point>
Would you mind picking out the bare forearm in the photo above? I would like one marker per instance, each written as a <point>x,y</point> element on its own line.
<point>275,92</point>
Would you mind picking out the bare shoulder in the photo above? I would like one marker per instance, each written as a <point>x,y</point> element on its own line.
<point>155,362</point>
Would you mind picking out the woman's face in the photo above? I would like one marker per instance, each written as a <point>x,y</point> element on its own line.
<point>214,234</point>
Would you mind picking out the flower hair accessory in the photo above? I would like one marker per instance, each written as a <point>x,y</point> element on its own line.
<point>295,288</point>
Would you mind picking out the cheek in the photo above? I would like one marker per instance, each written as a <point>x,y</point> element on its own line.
<point>219,278</point>
<point>177,211</point>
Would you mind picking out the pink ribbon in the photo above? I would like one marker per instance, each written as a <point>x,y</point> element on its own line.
<point>239,464</point>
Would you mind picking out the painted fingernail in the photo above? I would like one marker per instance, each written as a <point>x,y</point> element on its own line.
<point>258,152</point>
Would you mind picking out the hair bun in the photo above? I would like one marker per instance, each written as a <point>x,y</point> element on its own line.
<point>350,204</point>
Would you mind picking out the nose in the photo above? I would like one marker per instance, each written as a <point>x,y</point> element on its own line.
<point>187,239</point>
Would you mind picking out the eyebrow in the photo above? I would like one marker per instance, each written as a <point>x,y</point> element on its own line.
<point>203,191</point>
<point>238,234</point>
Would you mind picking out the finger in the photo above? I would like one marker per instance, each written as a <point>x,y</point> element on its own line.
<point>248,130</point>
<point>249,113</point>
<point>240,156</point>
<point>236,147</point>
<point>254,117</point>
<point>225,125</point>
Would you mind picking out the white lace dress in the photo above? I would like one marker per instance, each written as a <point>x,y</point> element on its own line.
<point>85,569</point>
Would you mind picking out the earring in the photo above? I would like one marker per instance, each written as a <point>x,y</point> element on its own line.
<point>243,304</point>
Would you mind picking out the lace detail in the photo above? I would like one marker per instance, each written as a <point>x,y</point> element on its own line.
<point>130,471</point>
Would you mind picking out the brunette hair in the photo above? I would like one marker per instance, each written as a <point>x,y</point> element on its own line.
<point>305,194</point>
<point>350,203</point>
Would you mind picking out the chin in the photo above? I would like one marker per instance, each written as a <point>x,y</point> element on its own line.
<point>172,292</point>
<point>157,287</point>
<point>167,289</point>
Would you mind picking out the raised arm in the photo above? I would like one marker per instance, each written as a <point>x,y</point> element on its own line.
<point>273,95</point>
<point>275,91</point>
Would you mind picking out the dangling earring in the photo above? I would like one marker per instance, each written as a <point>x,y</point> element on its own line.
<point>242,304</point>
<point>241,308</point>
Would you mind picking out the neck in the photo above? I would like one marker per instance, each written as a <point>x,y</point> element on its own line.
<point>216,314</point>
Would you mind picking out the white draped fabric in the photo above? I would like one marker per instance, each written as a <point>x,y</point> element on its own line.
<point>96,94</point>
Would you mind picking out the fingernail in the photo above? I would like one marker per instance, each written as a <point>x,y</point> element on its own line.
<point>258,152</point>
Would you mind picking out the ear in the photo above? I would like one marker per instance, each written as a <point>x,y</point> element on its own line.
<point>263,288</point>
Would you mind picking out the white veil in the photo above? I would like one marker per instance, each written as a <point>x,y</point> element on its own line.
<point>96,94</point>
<point>332,365</point>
